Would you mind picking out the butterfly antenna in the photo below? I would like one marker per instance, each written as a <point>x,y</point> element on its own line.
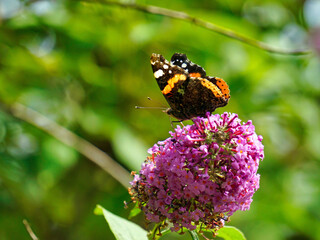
<point>150,99</point>
<point>140,107</point>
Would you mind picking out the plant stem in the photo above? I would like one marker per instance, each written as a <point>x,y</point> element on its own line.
<point>204,24</point>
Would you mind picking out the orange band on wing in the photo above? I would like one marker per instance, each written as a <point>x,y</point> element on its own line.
<point>172,81</point>
<point>224,87</point>
<point>195,75</point>
<point>215,90</point>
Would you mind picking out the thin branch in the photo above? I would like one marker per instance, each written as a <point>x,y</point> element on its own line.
<point>29,230</point>
<point>201,23</point>
<point>67,137</point>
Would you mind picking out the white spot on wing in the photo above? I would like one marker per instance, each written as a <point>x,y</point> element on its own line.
<point>183,65</point>
<point>158,73</point>
<point>165,66</point>
<point>170,71</point>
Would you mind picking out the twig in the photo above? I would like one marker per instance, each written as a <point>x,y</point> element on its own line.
<point>29,230</point>
<point>201,23</point>
<point>69,138</point>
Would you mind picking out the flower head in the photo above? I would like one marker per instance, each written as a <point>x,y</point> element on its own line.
<point>203,173</point>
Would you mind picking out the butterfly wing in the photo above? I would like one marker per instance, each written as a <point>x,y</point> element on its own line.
<point>172,81</point>
<point>201,96</point>
<point>203,93</point>
<point>181,60</point>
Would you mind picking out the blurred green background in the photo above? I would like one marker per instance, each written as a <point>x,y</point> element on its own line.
<point>86,65</point>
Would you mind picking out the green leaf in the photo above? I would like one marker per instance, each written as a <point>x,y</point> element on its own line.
<point>122,228</point>
<point>135,211</point>
<point>230,233</point>
<point>194,235</point>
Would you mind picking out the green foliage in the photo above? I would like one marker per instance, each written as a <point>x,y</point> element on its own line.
<point>126,230</point>
<point>86,65</point>
<point>122,228</point>
<point>194,235</point>
<point>134,211</point>
<point>129,148</point>
<point>230,233</point>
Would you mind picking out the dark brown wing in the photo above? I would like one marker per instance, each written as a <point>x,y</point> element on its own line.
<point>171,80</point>
<point>201,96</point>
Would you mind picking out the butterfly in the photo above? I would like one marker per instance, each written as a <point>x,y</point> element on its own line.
<point>186,87</point>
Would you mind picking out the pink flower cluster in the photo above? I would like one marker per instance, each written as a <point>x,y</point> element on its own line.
<point>202,174</point>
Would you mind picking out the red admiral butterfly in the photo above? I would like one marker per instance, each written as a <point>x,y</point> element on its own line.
<point>187,89</point>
